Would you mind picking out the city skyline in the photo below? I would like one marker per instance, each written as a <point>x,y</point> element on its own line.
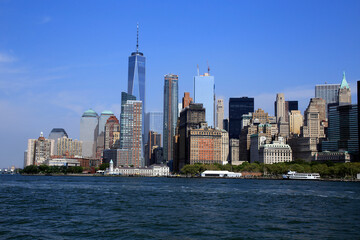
<point>52,83</point>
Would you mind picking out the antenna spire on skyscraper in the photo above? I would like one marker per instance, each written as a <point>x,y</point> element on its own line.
<point>137,37</point>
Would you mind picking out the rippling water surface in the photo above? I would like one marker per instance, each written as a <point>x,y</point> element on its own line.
<point>50,207</point>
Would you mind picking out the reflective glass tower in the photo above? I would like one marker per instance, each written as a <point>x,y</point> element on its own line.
<point>170,114</point>
<point>136,76</point>
<point>204,92</point>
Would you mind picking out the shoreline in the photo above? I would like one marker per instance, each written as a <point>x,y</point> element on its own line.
<point>183,176</point>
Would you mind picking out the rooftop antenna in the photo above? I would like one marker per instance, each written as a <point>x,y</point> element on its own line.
<point>137,37</point>
<point>208,67</point>
<point>198,72</point>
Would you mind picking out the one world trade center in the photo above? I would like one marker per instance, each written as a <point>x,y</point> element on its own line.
<point>136,77</point>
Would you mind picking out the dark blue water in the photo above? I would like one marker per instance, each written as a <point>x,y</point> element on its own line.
<point>41,207</point>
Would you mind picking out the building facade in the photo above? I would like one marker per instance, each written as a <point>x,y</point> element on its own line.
<point>344,92</point>
<point>190,118</point>
<point>186,100</point>
<point>205,146</point>
<point>89,129</point>
<point>67,146</point>
<point>153,122</point>
<point>296,121</point>
<point>55,134</point>
<point>204,92</point>
<point>343,129</point>
<point>39,150</point>
<point>112,133</point>
<point>131,130</point>
<point>170,114</point>
<point>237,108</point>
<point>220,113</point>
<point>276,152</point>
<point>280,107</point>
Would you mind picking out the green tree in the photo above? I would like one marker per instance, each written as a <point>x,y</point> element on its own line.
<point>103,166</point>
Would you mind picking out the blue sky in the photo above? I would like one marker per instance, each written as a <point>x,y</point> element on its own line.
<point>59,58</point>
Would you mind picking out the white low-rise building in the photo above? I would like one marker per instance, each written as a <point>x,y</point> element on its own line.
<point>151,171</point>
<point>212,173</point>
<point>62,162</point>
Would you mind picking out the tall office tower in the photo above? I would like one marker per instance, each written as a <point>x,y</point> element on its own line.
<point>237,108</point>
<point>344,92</point>
<point>55,134</point>
<point>39,150</point>
<point>320,104</point>
<point>89,130</point>
<point>112,133</point>
<point>136,77</point>
<point>154,141</point>
<point>170,114</point>
<point>312,124</point>
<point>153,122</point>
<point>280,107</point>
<point>296,122</point>
<point>190,118</point>
<point>204,92</point>
<point>186,100</point>
<point>130,130</point>
<point>104,116</point>
<point>220,114</point>
<point>68,147</point>
<point>343,129</point>
<point>328,92</point>
<point>290,106</point>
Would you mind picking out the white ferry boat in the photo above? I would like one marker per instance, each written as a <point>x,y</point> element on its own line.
<point>301,176</point>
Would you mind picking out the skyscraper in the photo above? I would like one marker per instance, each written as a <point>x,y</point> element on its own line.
<point>204,92</point>
<point>220,114</point>
<point>136,76</point>
<point>130,130</point>
<point>153,122</point>
<point>39,150</point>
<point>170,114</point>
<point>343,129</point>
<point>237,108</point>
<point>112,133</point>
<point>55,134</point>
<point>104,116</point>
<point>280,107</point>
<point>89,130</point>
<point>344,92</point>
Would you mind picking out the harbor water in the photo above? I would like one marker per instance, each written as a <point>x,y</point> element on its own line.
<point>69,207</point>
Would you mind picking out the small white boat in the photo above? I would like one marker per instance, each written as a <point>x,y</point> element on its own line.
<point>301,176</point>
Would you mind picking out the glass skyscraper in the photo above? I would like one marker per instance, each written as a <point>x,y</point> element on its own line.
<point>136,77</point>
<point>328,92</point>
<point>153,122</point>
<point>204,92</point>
<point>238,107</point>
<point>343,129</point>
<point>89,130</point>
<point>170,114</point>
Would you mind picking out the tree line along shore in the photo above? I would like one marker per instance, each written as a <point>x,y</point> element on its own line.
<point>328,170</point>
